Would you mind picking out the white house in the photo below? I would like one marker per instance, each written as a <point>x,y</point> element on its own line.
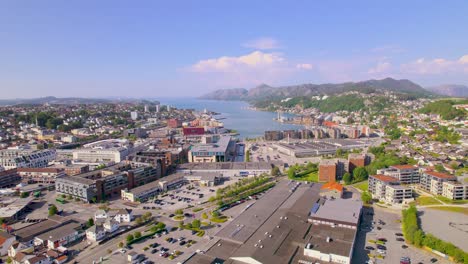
<point>100,214</point>
<point>124,215</point>
<point>95,233</point>
<point>110,225</point>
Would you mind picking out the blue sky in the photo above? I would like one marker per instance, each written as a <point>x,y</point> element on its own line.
<point>174,48</point>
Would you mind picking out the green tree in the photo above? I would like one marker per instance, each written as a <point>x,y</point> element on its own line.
<point>137,235</point>
<point>360,174</point>
<point>147,216</point>
<point>179,212</point>
<point>139,220</point>
<point>275,171</point>
<point>9,260</point>
<point>366,197</point>
<point>204,215</point>
<point>130,238</point>
<point>439,168</point>
<point>90,222</point>
<point>347,178</point>
<point>196,223</point>
<point>53,210</point>
<point>215,214</point>
<point>121,244</point>
<point>161,225</point>
<point>24,194</point>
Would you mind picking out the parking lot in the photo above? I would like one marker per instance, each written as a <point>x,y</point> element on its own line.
<point>380,223</point>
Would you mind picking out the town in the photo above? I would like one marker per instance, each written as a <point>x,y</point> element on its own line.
<point>152,183</point>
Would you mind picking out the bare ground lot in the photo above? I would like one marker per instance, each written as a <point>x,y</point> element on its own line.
<point>448,226</point>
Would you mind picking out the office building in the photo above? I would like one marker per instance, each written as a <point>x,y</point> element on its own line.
<point>103,184</point>
<point>104,151</point>
<point>216,151</point>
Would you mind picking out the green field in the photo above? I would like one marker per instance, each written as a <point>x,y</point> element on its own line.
<point>462,210</point>
<point>449,201</point>
<point>426,200</point>
<point>310,177</point>
<point>363,186</point>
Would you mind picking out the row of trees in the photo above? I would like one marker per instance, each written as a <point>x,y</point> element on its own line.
<point>414,235</point>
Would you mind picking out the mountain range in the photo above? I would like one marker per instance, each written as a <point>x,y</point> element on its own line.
<point>453,90</point>
<point>264,91</point>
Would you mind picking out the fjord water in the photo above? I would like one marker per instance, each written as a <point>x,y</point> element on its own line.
<point>247,122</point>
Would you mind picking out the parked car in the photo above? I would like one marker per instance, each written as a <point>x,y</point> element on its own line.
<point>370,248</point>
<point>398,234</point>
<point>433,260</point>
<point>381,247</point>
<point>404,246</point>
<point>400,239</point>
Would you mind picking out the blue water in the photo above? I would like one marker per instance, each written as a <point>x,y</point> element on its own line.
<point>247,122</point>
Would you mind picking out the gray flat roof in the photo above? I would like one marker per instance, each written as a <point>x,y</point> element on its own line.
<point>220,146</point>
<point>343,210</point>
<point>341,239</point>
<point>287,225</point>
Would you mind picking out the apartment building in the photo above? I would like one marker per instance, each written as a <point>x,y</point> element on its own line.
<point>356,160</point>
<point>388,189</point>
<point>406,174</point>
<point>432,181</point>
<point>25,158</point>
<point>455,190</point>
<point>397,194</point>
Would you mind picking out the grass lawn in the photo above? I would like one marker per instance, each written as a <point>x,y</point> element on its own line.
<point>426,200</point>
<point>466,179</point>
<point>197,209</point>
<point>363,186</point>
<point>462,210</point>
<point>311,177</point>
<point>449,201</point>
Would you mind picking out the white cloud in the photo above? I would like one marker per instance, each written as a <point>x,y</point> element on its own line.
<point>382,67</point>
<point>304,66</point>
<point>262,44</point>
<point>254,60</point>
<point>436,66</point>
<point>244,71</point>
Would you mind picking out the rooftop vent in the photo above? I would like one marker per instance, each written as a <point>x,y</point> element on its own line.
<point>329,239</point>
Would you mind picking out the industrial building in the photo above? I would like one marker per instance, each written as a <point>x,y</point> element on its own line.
<point>143,192</point>
<point>320,147</point>
<point>278,228</point>
<point>228,169</point>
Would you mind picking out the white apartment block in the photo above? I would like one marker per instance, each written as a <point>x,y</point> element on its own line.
<point>388,189</point>
<point>26,158</point>
<point>396,194</point>
<point>455,190</point>
<point>432,181</point>
<point>406,174</point>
